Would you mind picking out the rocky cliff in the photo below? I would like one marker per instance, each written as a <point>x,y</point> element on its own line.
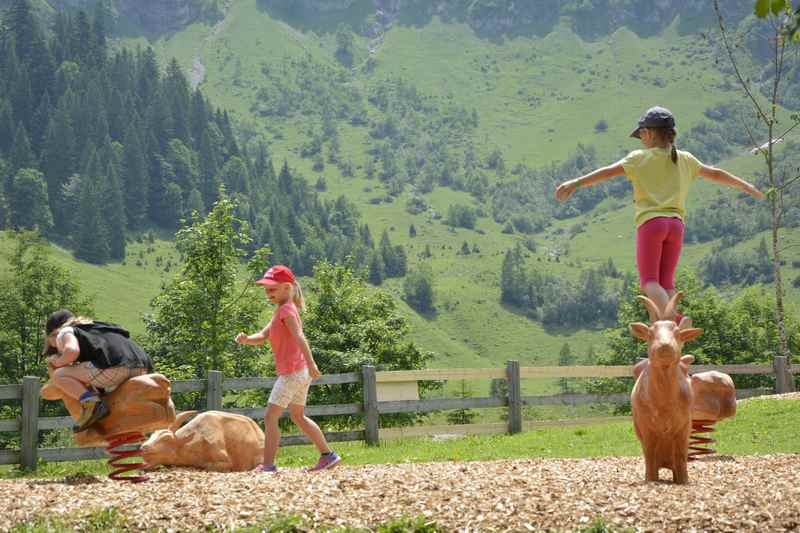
<point>589,18</point>
<point>150,17</point>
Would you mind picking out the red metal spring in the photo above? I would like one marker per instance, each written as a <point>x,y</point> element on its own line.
<point>118,457</point>
<point>698,446</point>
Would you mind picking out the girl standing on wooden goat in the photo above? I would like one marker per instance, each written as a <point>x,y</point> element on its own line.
<point>294,364</point>
<point>661,175</point>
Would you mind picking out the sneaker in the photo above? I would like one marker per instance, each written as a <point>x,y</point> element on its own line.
<point>88,403</point>
<point>262,468</point>
<point>326,461</point>
<point>92,413</point>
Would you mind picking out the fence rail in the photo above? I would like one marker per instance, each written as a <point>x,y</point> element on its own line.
<point>370,380</point>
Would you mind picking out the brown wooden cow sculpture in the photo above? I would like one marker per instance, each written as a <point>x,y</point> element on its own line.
<point>662,396</point>
<point>213,440</point>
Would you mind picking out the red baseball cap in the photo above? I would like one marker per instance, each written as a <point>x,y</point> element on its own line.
<point>276,275</point>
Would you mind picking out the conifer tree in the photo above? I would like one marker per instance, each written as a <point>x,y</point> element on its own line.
<point>58,160</point>
<point>6,125</point>
<point>21,153</point>
<point>41,118</point>
<point>115,213</point>
<point>136,178</point>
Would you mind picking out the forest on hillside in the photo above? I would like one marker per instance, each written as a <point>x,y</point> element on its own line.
<point>98,145</point>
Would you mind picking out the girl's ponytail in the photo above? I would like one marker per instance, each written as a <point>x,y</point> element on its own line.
<point>297,296</point>
<point>674,152</point>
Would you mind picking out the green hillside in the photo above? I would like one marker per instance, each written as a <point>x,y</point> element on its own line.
<point>536,96</point>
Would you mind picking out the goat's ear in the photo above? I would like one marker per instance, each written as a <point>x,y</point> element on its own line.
<point>686,335</point>
<point>183,440</point>
<point>687,359</point>
<point>640,331</point>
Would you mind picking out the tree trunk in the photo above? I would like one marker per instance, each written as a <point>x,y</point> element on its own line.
<point>780,313</point>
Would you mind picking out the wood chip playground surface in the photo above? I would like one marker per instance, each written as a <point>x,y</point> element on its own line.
<point>750,493</point>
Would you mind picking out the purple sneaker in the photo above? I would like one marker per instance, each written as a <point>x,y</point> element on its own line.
<point>262,468</point>
<point>326,461</point>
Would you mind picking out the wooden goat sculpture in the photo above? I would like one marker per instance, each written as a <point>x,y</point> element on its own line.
<point>662,396</point>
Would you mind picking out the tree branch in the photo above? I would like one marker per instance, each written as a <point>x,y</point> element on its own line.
<point>728,49</point>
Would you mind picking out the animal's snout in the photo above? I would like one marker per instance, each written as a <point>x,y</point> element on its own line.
<point>665,350</point>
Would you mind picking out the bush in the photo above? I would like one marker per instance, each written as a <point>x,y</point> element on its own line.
<point>418,289</point>
<point>416,205</point>
<point>461,216</point>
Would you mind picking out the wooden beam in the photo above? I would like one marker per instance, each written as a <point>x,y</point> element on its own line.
<point>188,385</point>
<point>10,392</point>
<point>440,374</point>
<point>372,417</point>
<point>335,436</point>
<point>424,406</point>
<point>30,422</point>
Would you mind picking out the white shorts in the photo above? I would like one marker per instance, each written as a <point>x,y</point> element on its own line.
<point>291,388</point>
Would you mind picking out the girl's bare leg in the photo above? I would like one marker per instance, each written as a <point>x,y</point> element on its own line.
<point>272,433</point>
<point>309,427</point>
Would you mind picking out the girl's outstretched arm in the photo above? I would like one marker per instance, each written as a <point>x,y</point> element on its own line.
<point>726,178</point>
<point>565,190</point>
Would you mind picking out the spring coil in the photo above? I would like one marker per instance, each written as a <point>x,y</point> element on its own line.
<point>699,445</point>
<point>118,456</point>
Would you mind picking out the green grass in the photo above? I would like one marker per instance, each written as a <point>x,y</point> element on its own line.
<point>759,427</point>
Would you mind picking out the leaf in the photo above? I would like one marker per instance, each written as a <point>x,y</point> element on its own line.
<point>762,8</point>
<point>778,6</point>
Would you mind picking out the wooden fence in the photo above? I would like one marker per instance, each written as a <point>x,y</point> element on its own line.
<point>383,393</point>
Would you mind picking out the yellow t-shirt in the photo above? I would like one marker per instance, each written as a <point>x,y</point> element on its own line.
<point>660,186</point>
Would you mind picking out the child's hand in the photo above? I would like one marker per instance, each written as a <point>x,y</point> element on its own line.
<point>314,372</point>
<point>241,338</point>
<point>565,190</point>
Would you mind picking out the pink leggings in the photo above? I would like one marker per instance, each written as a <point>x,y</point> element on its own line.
<point>658,249</point>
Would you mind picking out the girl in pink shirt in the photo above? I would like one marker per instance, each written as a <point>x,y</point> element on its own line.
<point>294,364</point>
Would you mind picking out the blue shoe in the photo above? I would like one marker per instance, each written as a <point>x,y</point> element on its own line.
<point>326,461</point>
<point>262,468</point>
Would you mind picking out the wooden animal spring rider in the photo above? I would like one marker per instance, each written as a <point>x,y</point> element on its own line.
<point>667,404</point>
<point>714,399</point>
<point>139,405</point>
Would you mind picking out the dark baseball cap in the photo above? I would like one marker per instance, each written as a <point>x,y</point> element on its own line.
<point>55,321</point>
<point>655,117</point>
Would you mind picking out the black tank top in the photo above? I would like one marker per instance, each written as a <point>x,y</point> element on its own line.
<point>107,345</point>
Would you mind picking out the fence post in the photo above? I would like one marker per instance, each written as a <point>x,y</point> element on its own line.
<point>214,390</point>
<point>371,415</point>
<point>30,422</point>
<point>514,397</point>
<point>782,375</point>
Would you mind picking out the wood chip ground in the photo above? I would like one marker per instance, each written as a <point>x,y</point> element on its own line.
<point>753,493</point>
